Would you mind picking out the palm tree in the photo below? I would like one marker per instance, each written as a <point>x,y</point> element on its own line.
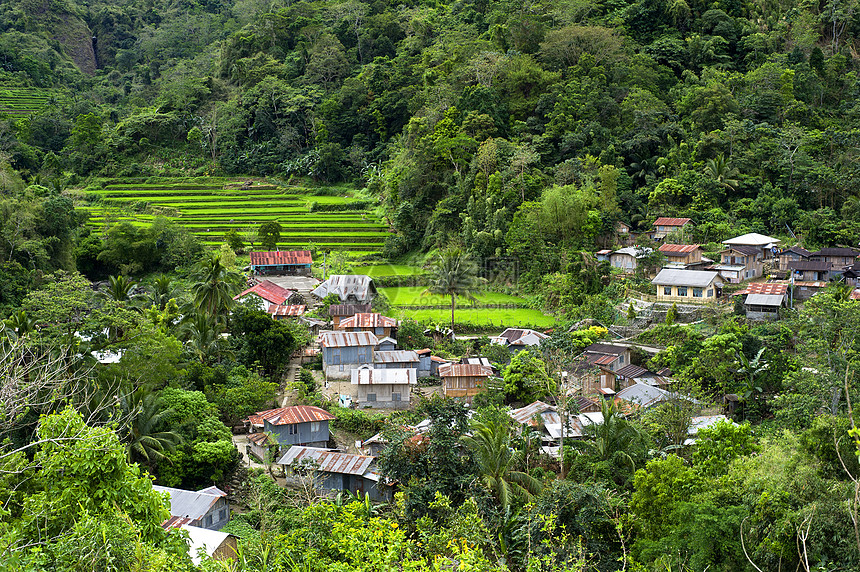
<point>454,273</point>
<point>119,288</point>
<point>718,169</point>
<point>751,369</point>
<point>616,436</point>
<point>215,287</point>
<point>144,416</point>
<point>160,294</point>
<point>490,446</point>
<point>202,335</point>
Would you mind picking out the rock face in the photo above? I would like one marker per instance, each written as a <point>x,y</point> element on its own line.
<point>77,41</point>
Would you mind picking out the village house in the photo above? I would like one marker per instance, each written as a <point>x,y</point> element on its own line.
<point>838,258</point>
<point>645,396</point>
<point>664,226</point>
<point>336,472</point>
<point>627,259</point>
<point>217,545</point>
<point>683,256</point>
<point>350,288</point>
<point>282,312</point>
<point>603,255</point>
<point>386,388</point>
<point>792,254</point>
<point>766,244</point>
<point>262,446</point>
<point>462,380</point>
<point>740,263</point>
<point>386,345</point>
<point>633,374</point>
<point>396,359</point>
<point>688,286</point>
<point>344,351</point>
<point>265,294</point>
<point>293,262</point>
<point>296,425</point>
<point>543,417</point>
<point>851,274</point>
<point>518,339</point>
<point>206,508</point>
<point>762,301</point>
<point>428,364</point>
<point>810,270</point>
<point>608,356</point>
<point>375,323</point>
<point>338,312</point>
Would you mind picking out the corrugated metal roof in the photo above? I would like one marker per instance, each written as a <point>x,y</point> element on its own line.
<point>347,309</point>
<point>290,415</point>
<point>601,359</point>
<point>796,250</point>
<point>293,310</point>
<point>836,252</point>
<point>477,360</point>
<point>763,288</point>
<point>399,376</point>
<point>526,415</point>
<point>809,265</point>
<point>634,251</point>
<point>203,539</point>
<point>646,395</point>
<point>606,349</point>
<point>764,300</point>
<point>345,285</point>
<point>464,370</point>
<point>513,335</point>
<point>347,339</point>
<point>695,278</point>
<point>191,504</point>
<point>744,249</point>
<point>282,257</point>
<point>395,356</point>
<point>367,320</point>
<point>678,248</point>
<point>669,221</point>
<point>328,461</point>
<point>855,295</point>
<point>268,291</point>
<point>631,371</point>
<point>753,239</point>
<point>260,439</point>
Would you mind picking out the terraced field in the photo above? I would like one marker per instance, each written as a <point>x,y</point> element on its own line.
<point>210,207</point>
<point>23,101</point>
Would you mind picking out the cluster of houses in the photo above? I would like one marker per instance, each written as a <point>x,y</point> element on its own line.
<point>689,277</point>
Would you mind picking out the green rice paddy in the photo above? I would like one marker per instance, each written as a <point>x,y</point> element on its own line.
<point>418,296</point>
<point>24,101</point>
<point>498,318</point>
<point>389,270</point>
<point>211,206</point>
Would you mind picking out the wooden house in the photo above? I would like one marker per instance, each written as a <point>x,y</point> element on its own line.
<point>607,356</point>
<point>687,286</point>
<point>344,351</point>
<point>217,545</point>
<point>463,380</point>
<point>762,301</point>
<point>518,339</point>
<point>851,274</point>
<point>386,388</point>
<point>740,263</point>
<point>293,262</point>
<point>338,312</point>
<point>627,259</point>
<point>350,288</point>
<point>810,270</point>
<point>838,258</point>
<point>792,254</point>
<point>386,345</point>
<point>206,508</point>
<point>262,445</point>
<point>632,374</point>
<point>337,472</point>
<point>664,226</point>
<point>296,425</point>
<point>377,324</point>
<point>264,294</point>
<point>682,255</point>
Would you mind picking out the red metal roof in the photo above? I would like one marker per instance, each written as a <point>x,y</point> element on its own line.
<point>464,370</point>
<point>604,360</point>
<point>328,461</point>
<point>290,415</point>
<point>763,288</point>
<point>668,221</point>
<point>281,257</point>
<point>260,439</point>
<point>281,310</point>
<point>367,320</point>
<point>268,291</point>
<point>678,248</point>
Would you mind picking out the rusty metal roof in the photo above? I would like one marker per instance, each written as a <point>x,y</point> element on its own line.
<point>395,356</point>
<point>260,439</point>
<point>347,309</point>
<point>464,370</point>
<point>526,415</point>
<point>281,257</point>
<point>631,371</point>
<point>290,415</point>
<point>328,461</point>
<point>268,291</point>
<point>398,376</point>
<point>347,339</point>
<point>292,310</point>
<point>669,221</point>
<point>601,359</point>
<point>678,248</point>
<point>763,288</point>
<point>809,265</point>
<point>367,320</point>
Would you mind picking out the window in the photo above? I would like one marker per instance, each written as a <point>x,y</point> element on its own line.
<point>667,290</point>
<point>222,514</point>
<point>682,290</point>
<point>294,429</point>
<point>697,292</point>
<point>315,427</point>
<point>621,359</point>
<point>395,397</point>
<point>710,293</point>
<point>371,397</point>
<point>208,520</point>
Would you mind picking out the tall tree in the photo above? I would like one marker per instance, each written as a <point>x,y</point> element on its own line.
<point>215,286</point>
<point>454,273</point>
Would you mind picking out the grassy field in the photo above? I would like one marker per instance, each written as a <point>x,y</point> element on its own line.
<point>389,270</point>
<point>491,317</point>
<point>417,296</point>
<point>211,206</point>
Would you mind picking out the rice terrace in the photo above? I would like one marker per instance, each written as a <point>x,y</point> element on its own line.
<point>331,218</point>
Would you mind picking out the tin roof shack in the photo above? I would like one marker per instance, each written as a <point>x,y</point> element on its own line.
<point>633,374</point>
<point>350,288</point>
<point>683,255</point>
<point>337,471</point>
<point>837,258</point>
<point>792,254</point>
<point>810,270</point>
<point>386,345</point>
<point>396,359</point>
<point>338,312</point>
<point>344,351</point>
<point>377,324</point>
<point>518,339</point>
<point>385,388</point>
<point>296,425</point>
<point>480,360</point>
<point>768,245</point>
<point>646,396</point>
<point>687,286</point>
<point>206,508</point>
<point>627,259</point>
<point>665,225</point>
<point>289,311</point>
<point>603,255</point>
<point>293,262</point>
<point>428,364</point>
<point>764,306</point>
<point>463,380</point>
<point>214,544</point>
<point>265,294</point>
<point>538,415</point>
<point>607,356</point>
<point>851,274</point>
<point>262,446</point>
<point>741,263</point>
